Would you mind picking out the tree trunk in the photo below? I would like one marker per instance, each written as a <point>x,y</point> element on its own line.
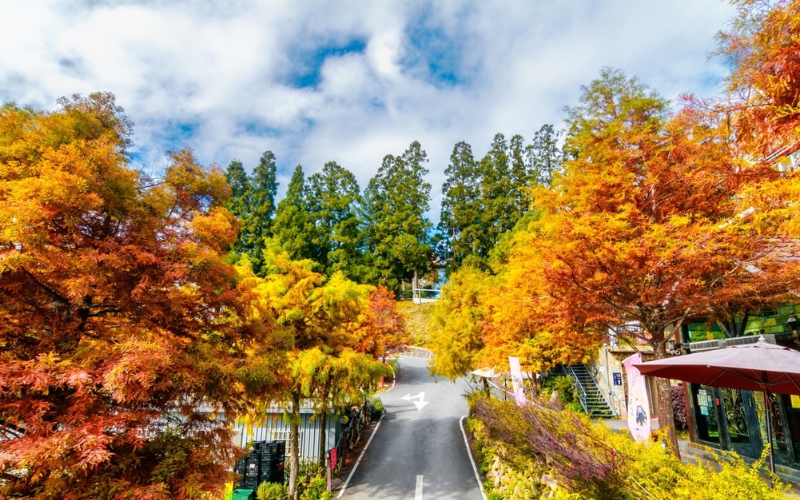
<point>323,423</point>
<point>294,454</point>
<point>322,437</point>
<point>666,415</point>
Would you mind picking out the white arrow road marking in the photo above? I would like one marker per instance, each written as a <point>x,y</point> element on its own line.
<point>418,493</point>
<point>419,404</point>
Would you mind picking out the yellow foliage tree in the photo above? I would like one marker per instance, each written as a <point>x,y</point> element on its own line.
<point>318,321</point>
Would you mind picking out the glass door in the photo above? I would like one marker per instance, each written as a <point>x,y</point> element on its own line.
<point>780,434</point>
<point>742,437</point>
<point>791,405</point>
<point>705,401</point>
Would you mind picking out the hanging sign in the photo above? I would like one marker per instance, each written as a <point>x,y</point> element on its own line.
<point>334,457</point>
<point>795,401</point>
<point>638,403</point>
<point>516,381</point>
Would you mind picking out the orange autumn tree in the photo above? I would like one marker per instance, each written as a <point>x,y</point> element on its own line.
<point>121,325</point>
<point>763,48</point>
<point>763,104</point>
<point>382,328</point>
<point>643,229</point>
<point>523,322</point>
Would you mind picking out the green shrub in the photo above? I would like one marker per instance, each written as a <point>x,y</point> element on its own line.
<point>272,491</point>
<point>312,483</point>
<point>565,386</point>
<point>375,406</point>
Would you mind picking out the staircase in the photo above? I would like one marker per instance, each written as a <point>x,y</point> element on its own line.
<point>592,398</point>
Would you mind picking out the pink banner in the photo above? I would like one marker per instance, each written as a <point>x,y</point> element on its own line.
<point>516,381</point>
<point>638,403</point>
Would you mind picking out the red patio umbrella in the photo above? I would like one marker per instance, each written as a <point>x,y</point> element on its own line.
<point>761,367</point>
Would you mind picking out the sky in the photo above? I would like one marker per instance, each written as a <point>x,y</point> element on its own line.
<point>347,81</point>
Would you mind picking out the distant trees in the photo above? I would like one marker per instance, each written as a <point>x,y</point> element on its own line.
<point>398,241</point>
<point>293,225</point>
<point>460,219</point>
<point>483,200</point>
<point>383,236</point>
<point>253,203</point>
<point>380,237</point>
<point>333,199</point>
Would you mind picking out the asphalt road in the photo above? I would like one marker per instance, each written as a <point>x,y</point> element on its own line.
<point>418,453</point>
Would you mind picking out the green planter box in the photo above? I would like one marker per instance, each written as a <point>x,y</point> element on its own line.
<point>244,495</point>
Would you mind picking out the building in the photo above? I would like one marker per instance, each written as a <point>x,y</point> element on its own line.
<point>273,427</point>
<point>731,419</point>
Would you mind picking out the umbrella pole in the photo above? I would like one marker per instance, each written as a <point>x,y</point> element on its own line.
<point>768,415</point>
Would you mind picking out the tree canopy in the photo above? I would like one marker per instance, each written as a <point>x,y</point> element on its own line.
<point>121,321</point>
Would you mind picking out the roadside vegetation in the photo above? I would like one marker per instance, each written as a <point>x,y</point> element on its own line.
<point>546,451</point>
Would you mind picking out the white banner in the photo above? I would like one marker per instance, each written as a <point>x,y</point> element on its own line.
<point>638,404</point>
<point>516,381</point>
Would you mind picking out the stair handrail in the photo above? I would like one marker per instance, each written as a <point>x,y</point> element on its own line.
<point>613,411</point>
<point>581,390</point>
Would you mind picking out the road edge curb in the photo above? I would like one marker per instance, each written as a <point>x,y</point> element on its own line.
<point>471,460</point>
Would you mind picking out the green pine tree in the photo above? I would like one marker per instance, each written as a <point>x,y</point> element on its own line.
<point>253,203</point>
<point>396,200</point>
<point>544,157</point>
<point>460,216</point>
<point>520,180</point>
<point>238,204</point>
<point>258,223</point>
<point>292,226</point>
<point>333,200</point>
<point>500,210</point>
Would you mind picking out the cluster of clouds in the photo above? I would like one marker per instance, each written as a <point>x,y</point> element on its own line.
<point>348,81</point>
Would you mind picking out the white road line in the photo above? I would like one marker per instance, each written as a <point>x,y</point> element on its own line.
<point>472,460</point>
<point>350,476</point>
<point>418,493</point>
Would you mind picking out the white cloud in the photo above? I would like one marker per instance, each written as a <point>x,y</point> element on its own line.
<point>228,70</point>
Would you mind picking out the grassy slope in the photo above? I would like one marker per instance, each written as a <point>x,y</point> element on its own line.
<point>417,318</point>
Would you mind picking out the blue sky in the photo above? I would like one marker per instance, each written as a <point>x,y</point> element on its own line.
<point>348,81</point>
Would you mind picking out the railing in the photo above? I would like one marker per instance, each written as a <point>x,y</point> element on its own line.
<point>581,390</point>
<point>351,434</point>
<point>423,295</point>
<point>602,393</point>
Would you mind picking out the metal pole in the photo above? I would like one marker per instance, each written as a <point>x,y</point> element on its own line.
<point>768,408</point>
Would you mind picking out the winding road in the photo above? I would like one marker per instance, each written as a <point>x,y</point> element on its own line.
<point>418,451</point>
